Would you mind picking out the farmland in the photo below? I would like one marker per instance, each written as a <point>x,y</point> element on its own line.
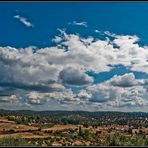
<point>30,128</point>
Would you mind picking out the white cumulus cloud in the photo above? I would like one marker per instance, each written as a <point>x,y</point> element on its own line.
<point>43,73</point>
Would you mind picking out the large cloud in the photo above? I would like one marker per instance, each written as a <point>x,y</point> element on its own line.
<point>96,55</point>
<point>73,76</point>
<point>122,92</point>
<point>44,71</point>
<point>126,80</point>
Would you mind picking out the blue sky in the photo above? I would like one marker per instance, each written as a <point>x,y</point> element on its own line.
<point>119,17</point>
<point>28,24</point>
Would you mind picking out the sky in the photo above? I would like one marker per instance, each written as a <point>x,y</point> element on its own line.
<point>90,56</point>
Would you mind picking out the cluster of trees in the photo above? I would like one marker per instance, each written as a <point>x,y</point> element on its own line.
<point>121,140</point>
<point>78,117</point>
<point>25,142</point>
<point>71,119</point>
<point>82,135</point>
<point>25,119</point>
<point>15,142</point>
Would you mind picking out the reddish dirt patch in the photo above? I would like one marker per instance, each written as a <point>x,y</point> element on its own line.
<point>4,120</point>
<point>16,127</point>
<point>27,135</point>
<point>60,127</point>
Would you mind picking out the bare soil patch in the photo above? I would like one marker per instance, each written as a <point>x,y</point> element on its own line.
<point>60,127</point>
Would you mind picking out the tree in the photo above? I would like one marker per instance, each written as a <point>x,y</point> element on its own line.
<point>80,130</point>
<point>86,125</point>
<point>130,131</point>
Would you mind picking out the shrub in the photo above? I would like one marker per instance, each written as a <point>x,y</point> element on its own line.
<point>14,142</point>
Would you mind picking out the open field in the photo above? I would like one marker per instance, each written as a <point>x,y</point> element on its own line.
<point>60,127</point>
<point>16,128</point>
<point>26,135</point>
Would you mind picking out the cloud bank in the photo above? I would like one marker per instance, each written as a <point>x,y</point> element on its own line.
<point>48,74</point>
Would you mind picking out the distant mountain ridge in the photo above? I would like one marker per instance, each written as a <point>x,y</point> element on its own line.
<point>67,112</point>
